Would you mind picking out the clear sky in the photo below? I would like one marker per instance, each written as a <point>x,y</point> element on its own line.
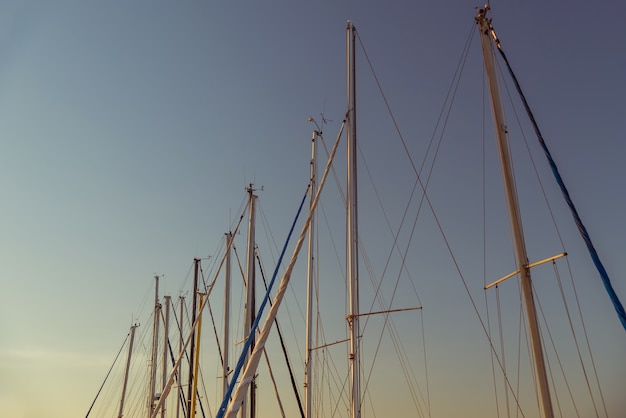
<point>129,130</point>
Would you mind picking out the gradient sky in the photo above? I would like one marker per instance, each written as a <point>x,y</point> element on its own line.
<point>129,130</point>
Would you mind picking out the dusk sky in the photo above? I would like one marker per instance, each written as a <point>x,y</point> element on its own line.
<point>130,130</point>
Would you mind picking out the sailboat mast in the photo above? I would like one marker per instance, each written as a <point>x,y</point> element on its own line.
<point>130,352</point>
<point>155,339</point>
<point>486,32</point>
<point>194,295</point>
<point>308,372</point>
<point>251,293</point>
<point>225,368</point>
<point>179,381</point>
<point>166,327</point>
<point>352,252</point>
<point>194,386</point>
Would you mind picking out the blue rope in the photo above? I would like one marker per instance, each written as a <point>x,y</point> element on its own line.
<point>255,325</point>
<point>579,223</point>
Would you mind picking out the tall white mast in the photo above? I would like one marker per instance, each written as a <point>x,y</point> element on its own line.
<point>250,310</point>
<point>166,327</point>
<point>194,386</point>
<point>308,372</point>
<point>155,339</point>
<point>194,295</point>
<point>487,33</point>
<point>352,251</point>
<point>179,380</point>
<point>225,367</point>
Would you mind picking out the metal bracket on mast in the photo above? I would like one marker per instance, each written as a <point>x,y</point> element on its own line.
<point>508,276</point>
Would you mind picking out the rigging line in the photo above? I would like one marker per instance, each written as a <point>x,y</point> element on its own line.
<point>187,276</point>
<point>178,376</point>
<point>406,367</point>
<point>199,398</point>
<point>393,332</point>
<point>388,318</point>
<point>558,358</point>
<point>282,340</point>
<point>335,176</point>
<point>484,210</point>
<point>242,295</point>
<point>621,313</point>
<point>142,305</point>
<point>521,331</point>
<point>217,338</point>
<point>327,364</point>
<point>449,99</point>
<point>502,351</point>
<point>571,325</point>
<point>268,232</point>
<point>341,394</point>
<point>107,375</point>
<point>271,373</point>
<point>529,351</point>
<point>394,245</point>
<point>329,375</point>
<point>582,322</point>
<point>239,322</point>
<point>558,400</point>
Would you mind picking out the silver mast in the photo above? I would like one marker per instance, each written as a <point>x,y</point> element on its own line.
<point>166,327</point>
<point>130,352</point>
<point>352,251</point>
<point>194,295</point>
<point>225,368</point>
<point>250,310</point>
<point>179,380</point>
<point>155,339</point>
<point>487,33</point>
<point>308,372</point>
